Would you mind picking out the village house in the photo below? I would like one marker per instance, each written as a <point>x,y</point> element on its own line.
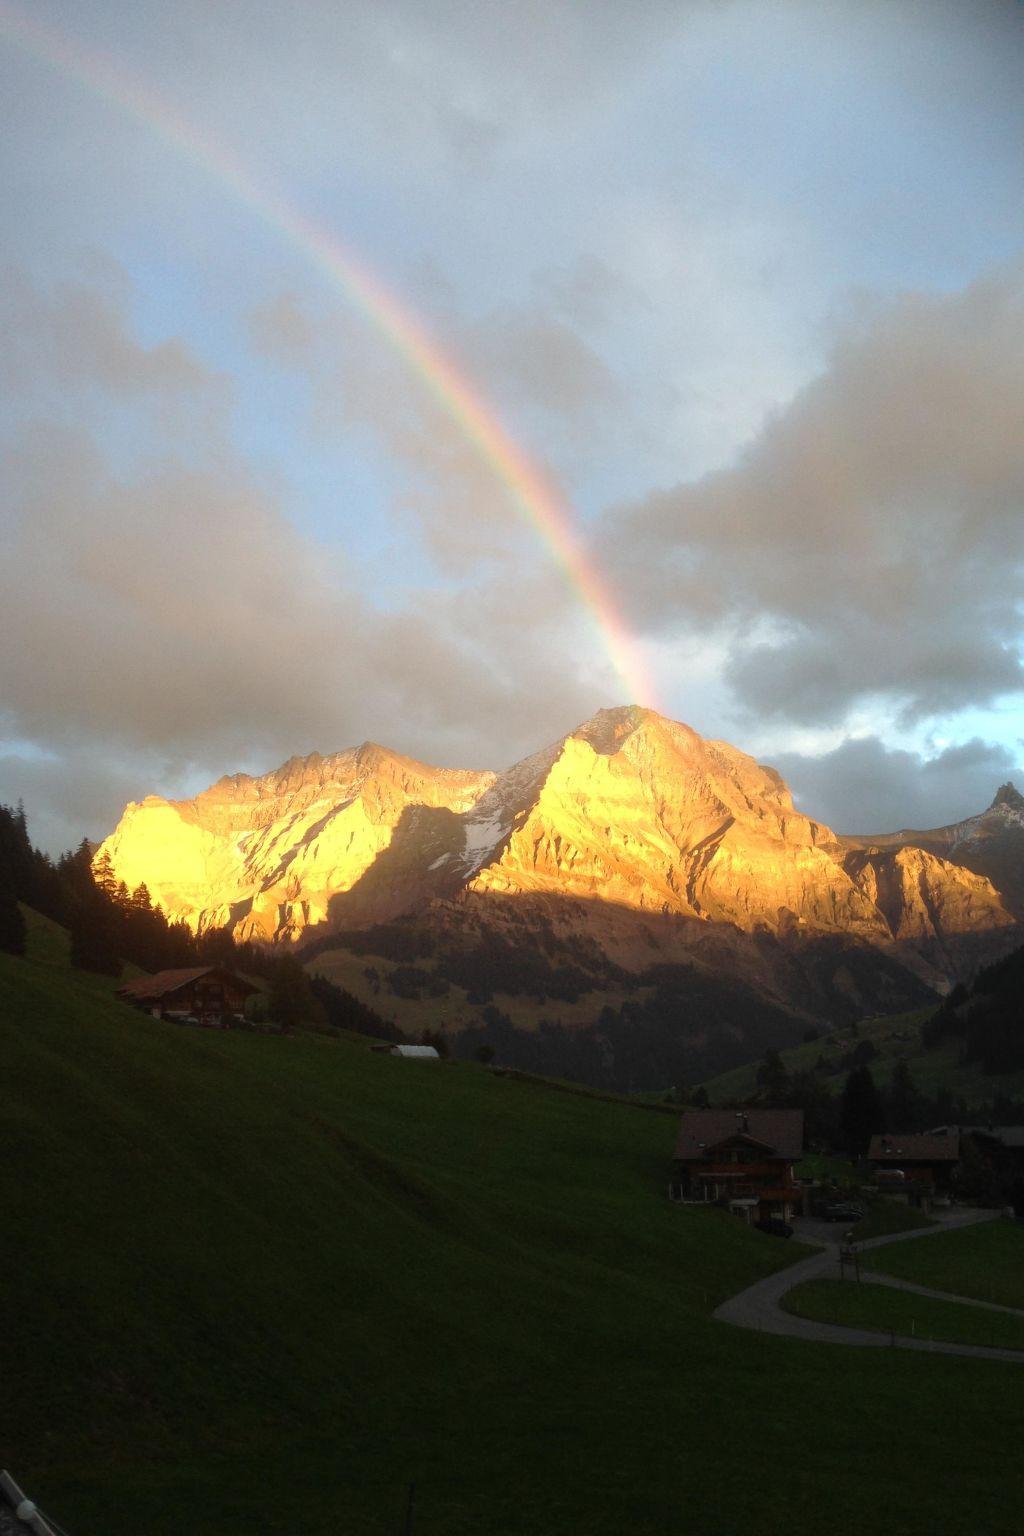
<point>1000,1150</point>
<point>918,1165</point>
<point>740,1159</point>
<point>205,994</point>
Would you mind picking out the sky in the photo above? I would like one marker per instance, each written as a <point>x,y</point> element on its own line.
<point>738,284</point>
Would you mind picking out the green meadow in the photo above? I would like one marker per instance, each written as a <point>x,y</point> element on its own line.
<point>884,1310</point>
<point>985,1262</point>
<point>264,1284</point>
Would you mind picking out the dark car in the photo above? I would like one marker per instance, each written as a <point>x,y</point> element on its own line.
<point>774,1226</point>
<point>841,1210</point>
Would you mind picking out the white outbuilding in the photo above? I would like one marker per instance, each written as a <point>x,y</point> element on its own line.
<point>418,1052</point>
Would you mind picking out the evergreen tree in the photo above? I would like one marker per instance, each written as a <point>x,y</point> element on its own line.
<point>860,1114</point>
<point>772,1075</point>
<point>103,875</point>
<point>290,1000</point>
<point>904,1099</point>
<point>12,924</point>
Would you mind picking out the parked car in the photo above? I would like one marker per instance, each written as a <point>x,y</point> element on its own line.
<point>843,1210</point>
<point>774,1226</point>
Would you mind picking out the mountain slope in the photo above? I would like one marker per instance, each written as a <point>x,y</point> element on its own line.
<point>630,846</point>
<point>990,844</point>
<point>631,810</point>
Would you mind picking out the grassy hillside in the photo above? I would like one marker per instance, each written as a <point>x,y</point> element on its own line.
<point>892,1036</point>
<point>986,1262</point>
<point>881,1309</point>
<point>258,1283</point>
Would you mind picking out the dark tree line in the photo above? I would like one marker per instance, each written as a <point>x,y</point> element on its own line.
<point>987,1019</point>
<point>109,924</point>
<point>863,1109</point>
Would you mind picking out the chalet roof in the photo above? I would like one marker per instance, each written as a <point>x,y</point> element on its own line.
<point>923,1148</point>
<point>165,983</point>
<point>780,1130</point>
<point>420,1052</point>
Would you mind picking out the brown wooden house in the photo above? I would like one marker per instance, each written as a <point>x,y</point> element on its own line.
<point>203,994</point>
<point>743,1160</point>
<point>920,1163</point>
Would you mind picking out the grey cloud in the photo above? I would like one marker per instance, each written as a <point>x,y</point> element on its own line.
<point>80,333</point>
<point>180,621</point>
<point>546,360</point>
<point>587,292</point>
<point>74,795</point>
<point>874,527</point>
<point>164,622</point>
<point>864,787</point>
<point>452,495</point>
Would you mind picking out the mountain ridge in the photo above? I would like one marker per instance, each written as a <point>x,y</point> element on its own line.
<point>632,838</point>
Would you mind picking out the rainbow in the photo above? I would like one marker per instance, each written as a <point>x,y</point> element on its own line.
<point>529,488</point>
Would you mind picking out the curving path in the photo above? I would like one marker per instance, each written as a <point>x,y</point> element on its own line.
<point>758,1307</point>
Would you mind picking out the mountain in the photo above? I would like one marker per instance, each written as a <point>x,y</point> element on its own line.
<point>990,844</point>
<point>644,903</point>
<point>630,811</point>
<point>265,856</point>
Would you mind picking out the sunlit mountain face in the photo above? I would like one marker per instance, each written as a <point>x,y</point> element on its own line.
<point>631,843</point>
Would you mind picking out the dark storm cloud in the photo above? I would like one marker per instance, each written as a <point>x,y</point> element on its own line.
<point>870,541</point>
<point>863,786</point>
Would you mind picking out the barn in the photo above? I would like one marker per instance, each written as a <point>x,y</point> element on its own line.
<point>204,994</point>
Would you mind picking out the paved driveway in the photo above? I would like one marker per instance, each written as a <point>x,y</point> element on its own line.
<point>759,1308</point>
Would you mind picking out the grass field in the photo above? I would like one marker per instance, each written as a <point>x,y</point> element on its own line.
<point>985,1262</point>
<point>889,1216</point>
<point>260,1284</point>
<point>883,1310</point>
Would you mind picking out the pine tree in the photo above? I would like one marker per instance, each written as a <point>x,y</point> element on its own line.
<point>12,924</point>
<point>104,877</point>
<point>290,1000</point>
<point>860,1115</point>
<point>904,1099</point>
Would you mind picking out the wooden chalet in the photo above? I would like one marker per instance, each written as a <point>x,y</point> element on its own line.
<point>203,994</point>
<point>740,1159</point>
<point>921,1162</point>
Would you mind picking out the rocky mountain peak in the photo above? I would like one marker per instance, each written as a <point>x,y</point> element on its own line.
<point>1008,796</point>
<point>630,819</point>
<point>609,728</point>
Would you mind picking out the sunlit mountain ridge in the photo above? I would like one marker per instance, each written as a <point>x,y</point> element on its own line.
<point>632,830</point>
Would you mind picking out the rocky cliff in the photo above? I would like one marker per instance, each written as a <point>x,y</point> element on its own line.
<point>633,831</point>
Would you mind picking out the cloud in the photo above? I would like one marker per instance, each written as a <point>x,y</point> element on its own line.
<point>165,622</point>
<point>79,332</point>
<point>449,491</point>
<point>863,786</point>
<point>870,540</point>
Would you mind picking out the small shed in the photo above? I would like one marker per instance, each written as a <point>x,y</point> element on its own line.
<point>416,1052</point>
<point>207,994</point>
